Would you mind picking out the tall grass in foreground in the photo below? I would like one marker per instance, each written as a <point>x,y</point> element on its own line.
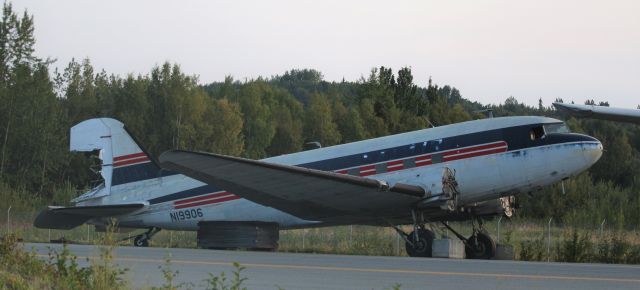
<point>20,269</point>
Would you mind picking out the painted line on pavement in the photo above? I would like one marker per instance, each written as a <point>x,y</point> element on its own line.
<point>372,270</point>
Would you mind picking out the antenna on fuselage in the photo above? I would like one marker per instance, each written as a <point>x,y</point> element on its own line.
<point>429,122</point>
<point>489,111</point>
<point>311,145</point>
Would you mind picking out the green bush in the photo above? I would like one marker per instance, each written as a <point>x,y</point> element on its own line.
<point>576,248</point>
<point>60,271</point>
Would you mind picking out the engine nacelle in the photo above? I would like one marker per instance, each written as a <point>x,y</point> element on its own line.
<point>500,206</point>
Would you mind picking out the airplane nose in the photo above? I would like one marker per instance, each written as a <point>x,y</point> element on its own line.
<point>592,150</point>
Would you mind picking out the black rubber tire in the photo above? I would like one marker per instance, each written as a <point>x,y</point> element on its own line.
<point>480,247</point>
<point>141,241</point>
<point>425,241</point>
<point>251,235</point>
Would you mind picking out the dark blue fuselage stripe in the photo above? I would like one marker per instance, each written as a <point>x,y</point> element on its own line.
<point>202,190</point>
<point>516,137</point>
<point>138,172</point>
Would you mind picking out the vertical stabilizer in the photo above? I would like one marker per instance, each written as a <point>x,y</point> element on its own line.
<point>123,160</point>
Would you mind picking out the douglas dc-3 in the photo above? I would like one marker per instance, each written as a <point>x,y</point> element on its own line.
<point>463,171</point>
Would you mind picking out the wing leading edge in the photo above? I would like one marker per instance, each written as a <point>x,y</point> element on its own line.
<point>306,193</point>
<point>600,112</point>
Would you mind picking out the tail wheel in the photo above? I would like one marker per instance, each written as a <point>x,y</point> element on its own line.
<point>421,247</point>
<point>480,246</point>
<point>141,241</point>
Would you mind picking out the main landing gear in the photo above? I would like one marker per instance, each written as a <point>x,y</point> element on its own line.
<point>142,240</point>
<point>479,245</point>
<point>420,244</point>
<point>420,241</point>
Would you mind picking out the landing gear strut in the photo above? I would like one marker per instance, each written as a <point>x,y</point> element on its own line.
<point>418,243</point>
<point>479,245</point>
<point>142,240</point>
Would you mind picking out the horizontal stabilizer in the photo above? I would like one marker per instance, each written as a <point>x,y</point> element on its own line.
<point>65,218</point>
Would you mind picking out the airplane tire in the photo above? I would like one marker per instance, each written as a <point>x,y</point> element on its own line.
<point>141,241</point>
<point>423,247</point>
<point>480,247</point>
<point>251,235</point>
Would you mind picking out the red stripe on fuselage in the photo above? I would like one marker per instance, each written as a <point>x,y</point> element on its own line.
<point>123,157</point>
<point>368,170</point>
<point>199,198</point>
<point>395,165</point>
<point>475,154</point>
<point>475,148</point>
<point>131,161</point>
<point>210,201</point>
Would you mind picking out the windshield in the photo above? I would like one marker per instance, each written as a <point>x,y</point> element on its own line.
<point>556,128</point>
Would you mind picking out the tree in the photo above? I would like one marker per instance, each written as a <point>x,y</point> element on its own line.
<point>289,129</point>
<point>226,129</point>
<point>406,94</point>
<point>349,122</point>
<point>255,99</point>
<point>29,114</point>
<point>319,124</point>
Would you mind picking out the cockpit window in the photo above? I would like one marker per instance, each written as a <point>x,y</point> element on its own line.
<point>536,133</point>
<point>556,128</point>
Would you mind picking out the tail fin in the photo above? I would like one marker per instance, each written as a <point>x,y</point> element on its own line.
<point>123,160</point>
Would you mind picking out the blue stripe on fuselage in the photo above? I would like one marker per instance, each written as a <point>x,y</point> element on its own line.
<point>138,172</point>
<point>196,191</point>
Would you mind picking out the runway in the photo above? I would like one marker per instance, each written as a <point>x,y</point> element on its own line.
<point>266,270</point>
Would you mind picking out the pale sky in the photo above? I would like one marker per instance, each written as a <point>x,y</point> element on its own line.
<point>489,50</point>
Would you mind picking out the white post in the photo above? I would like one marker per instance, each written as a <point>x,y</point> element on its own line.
<point>549,241</point>
<point>602,227</point>
<point>499,221</point>
<point>350,235</point>
<point>397,244</point>
<point>304,232</point>
<point>9,221</point>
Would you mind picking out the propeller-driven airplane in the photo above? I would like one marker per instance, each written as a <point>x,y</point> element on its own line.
<point>462,171</point>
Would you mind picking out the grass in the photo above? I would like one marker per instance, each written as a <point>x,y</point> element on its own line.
<point>529,239</point>
<point>20,269</point>
<point>62,270</point>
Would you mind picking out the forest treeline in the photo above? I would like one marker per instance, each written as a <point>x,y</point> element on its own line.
<point>168,108</point>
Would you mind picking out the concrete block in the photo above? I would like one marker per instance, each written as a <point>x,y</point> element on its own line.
<point>504,252</point>
<point>447,248</point>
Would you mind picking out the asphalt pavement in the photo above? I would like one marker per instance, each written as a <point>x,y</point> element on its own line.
<point>273,270</point>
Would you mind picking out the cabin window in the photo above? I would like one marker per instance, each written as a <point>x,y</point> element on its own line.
<point>536,133</point>
<point>556,128</point>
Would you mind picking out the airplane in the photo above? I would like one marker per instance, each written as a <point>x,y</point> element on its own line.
<point>463,171</point>
<point>600,112</point>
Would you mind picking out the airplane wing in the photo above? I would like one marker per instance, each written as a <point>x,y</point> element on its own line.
<point>306,193</point>
<point>600,112</point>
<point>66,218</point>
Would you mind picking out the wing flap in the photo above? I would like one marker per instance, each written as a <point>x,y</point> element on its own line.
<point>306,193</point>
